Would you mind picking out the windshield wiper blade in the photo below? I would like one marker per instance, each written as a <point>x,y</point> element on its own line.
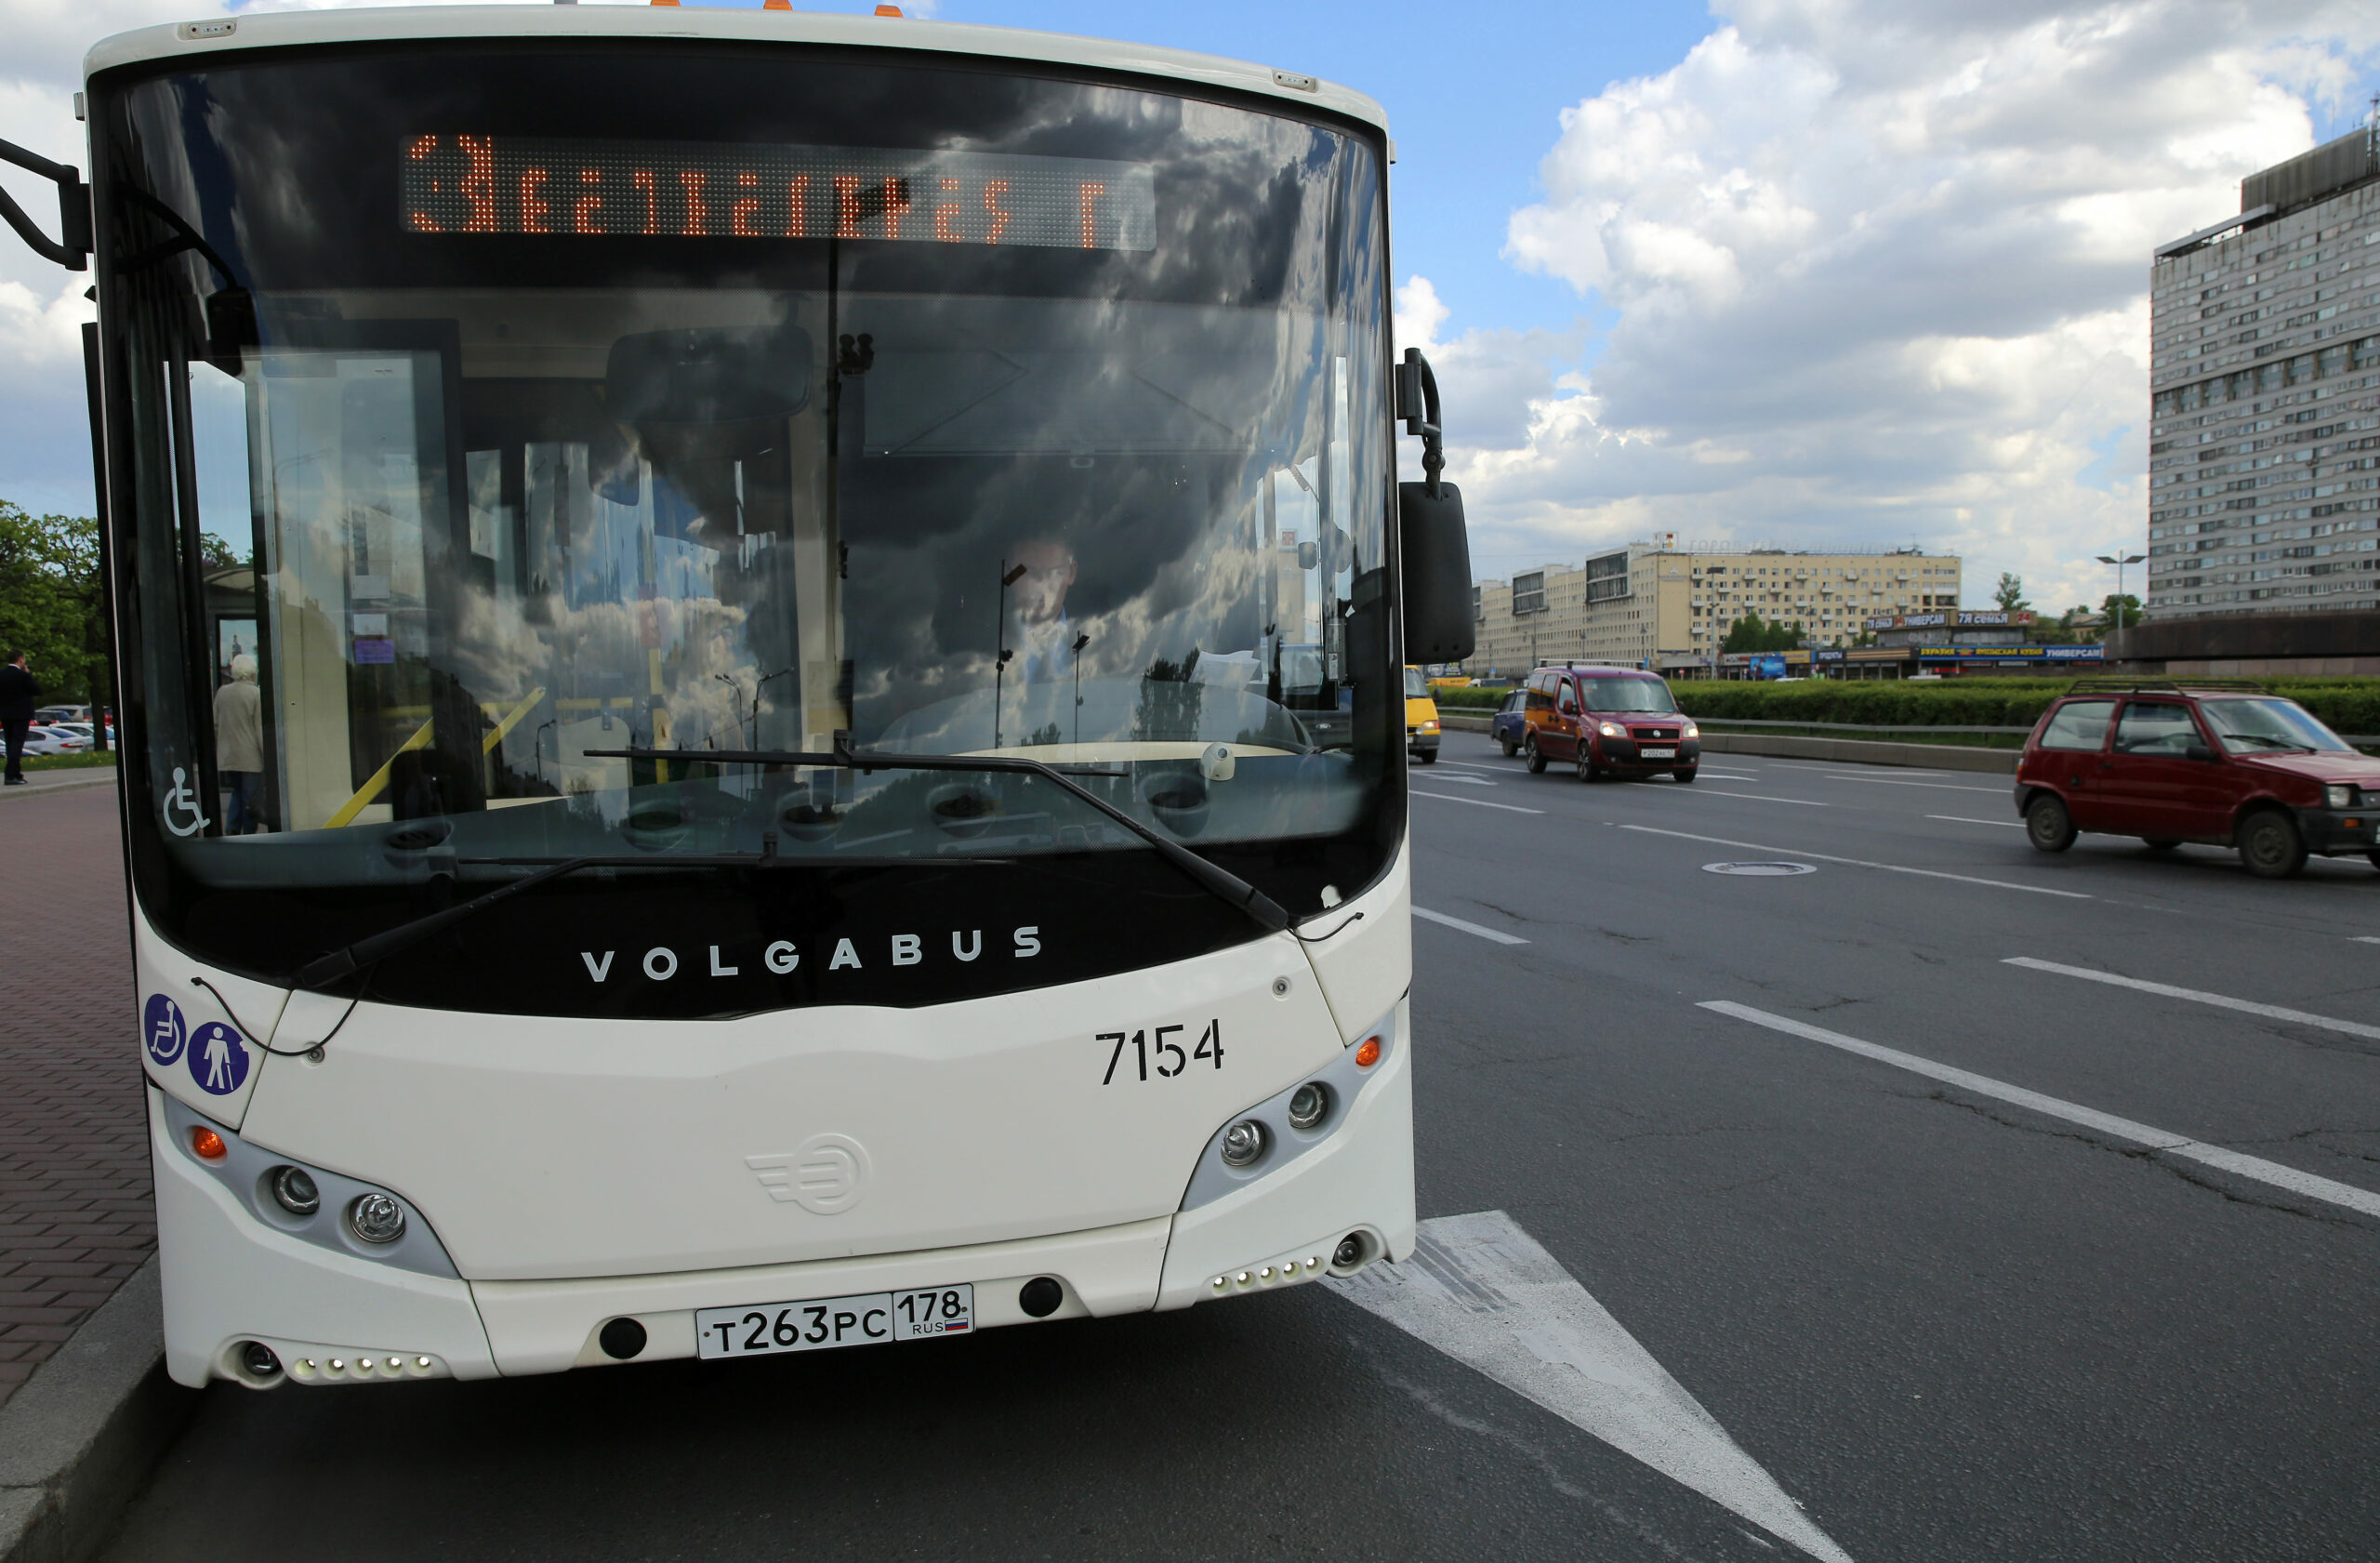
<point>347,959</point>
<point>1221,882</point>
<point>350,959</point>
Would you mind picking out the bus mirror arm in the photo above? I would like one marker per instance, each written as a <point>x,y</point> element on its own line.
<point>71,249</point>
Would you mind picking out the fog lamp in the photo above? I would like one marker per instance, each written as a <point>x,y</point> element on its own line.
<point>1243,1142</point>
<point>259,1359</point>
<point>375,1218</point>
<point>294,1190</point>
<point>1308,1106</point>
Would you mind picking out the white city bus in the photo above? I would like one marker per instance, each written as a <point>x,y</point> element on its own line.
<point>736,794</point>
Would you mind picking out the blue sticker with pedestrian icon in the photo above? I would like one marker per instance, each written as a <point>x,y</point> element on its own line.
<point>218,1059</point>
<point>162,1031</point>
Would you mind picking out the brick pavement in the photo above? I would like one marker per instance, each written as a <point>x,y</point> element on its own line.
<point>76,1212</point>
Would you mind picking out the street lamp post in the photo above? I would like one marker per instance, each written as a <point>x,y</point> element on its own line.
<point>2119,559</point>
<point>1080,641</point>
<point>999,632</point>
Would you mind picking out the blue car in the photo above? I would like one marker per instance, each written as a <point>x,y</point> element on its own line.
<point>1509,726</point>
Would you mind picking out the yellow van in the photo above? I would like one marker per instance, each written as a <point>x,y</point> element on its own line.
<point>1420,718</point>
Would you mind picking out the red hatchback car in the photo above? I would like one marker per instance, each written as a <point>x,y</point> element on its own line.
<point>1608,721</point>
<point>2174,763</point>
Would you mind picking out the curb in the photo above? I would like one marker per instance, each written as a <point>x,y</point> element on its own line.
<point>78,1440</point>
<point>38,790</point>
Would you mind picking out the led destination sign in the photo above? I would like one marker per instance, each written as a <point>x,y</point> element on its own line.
<point>694,190</point>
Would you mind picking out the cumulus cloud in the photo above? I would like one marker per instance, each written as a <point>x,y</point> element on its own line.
<point>1880,274</point>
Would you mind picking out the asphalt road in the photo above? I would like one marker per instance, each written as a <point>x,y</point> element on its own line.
<point>1950,1319</point>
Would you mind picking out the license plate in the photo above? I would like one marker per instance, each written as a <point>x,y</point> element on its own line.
<point>1659,753</point>
<point>823,1323</point>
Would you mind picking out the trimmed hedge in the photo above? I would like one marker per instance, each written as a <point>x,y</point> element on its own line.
<point>2348,705</point>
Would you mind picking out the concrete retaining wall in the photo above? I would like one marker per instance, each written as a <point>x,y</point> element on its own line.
<point>1932,757</point>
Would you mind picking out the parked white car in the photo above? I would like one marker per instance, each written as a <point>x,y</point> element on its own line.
<point>60,739</point>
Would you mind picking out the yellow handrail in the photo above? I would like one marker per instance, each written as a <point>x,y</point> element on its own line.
<point>380,779</point>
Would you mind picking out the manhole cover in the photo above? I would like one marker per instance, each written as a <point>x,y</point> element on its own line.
<point>1761,870</point>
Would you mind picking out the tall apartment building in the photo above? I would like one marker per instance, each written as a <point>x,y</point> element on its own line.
<point>1667,605</point>
<point>2264,455</point>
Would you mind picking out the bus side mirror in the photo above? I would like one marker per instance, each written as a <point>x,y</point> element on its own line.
<point>1436,546</point>
<point>1431,537</point>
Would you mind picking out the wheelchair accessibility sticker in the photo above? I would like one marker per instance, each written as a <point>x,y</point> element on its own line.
<point>218,1059</point>
<point>162,1030</point>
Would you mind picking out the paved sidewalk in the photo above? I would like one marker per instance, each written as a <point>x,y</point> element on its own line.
<point>76,1210</point>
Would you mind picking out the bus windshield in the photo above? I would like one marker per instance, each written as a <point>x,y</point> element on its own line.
<point>499,465</point>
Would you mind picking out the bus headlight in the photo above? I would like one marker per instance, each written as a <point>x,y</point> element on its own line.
<point>375,1219</point>
<point>1243,1142</point>
<point>1308,1104</point>
<point>294,1190</point>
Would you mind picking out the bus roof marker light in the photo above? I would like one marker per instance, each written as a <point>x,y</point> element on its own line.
<point>207,1145</point>
<point>888,11</point>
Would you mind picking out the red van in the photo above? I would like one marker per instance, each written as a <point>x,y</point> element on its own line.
<point>1608,721</point>
<point>2227,765</point>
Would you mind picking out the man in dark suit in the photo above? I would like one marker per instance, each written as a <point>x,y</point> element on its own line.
<point>18,692</point>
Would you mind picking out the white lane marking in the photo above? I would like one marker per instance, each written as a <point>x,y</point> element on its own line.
<point>1465,781</point>
<point>2253,1167</point>
<point>2366,938</point>
<point>2271,1012</point>
<point>1938,787</point>
<point>1831,771</point>
<point>1475,802</point>
<point>1489,1295</point>
<point>1473,765</point>
<point>1760,797</point>
<point>1962,820</point>
<point>1731,775</point>
<point>1469,927</point>
<point>1863,863</point>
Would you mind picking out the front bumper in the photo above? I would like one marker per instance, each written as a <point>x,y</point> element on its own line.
<point>231,1278</point>
<point>2339,832</point>
<point>1422,743</point>
<point>1625,754</point>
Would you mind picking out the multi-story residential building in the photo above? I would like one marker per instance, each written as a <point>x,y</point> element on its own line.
<point>2264,456</point>
<point>1666,605</point>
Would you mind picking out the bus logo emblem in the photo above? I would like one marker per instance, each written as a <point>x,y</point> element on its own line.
<point>825,1176</point>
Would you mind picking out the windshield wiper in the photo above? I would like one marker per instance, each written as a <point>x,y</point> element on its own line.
<point>1221,882</point>
<point>350,959</point>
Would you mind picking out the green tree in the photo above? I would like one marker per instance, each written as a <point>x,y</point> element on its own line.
<point>2010,593</point>
<point>1752,633</point>
<point>2123,611</point>
<point>49,601</point>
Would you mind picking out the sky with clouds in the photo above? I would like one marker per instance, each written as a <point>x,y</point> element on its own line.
<point>1812,273</point>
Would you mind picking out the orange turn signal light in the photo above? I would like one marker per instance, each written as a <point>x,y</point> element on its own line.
<point>1366,1052</point>
<point>888,11</point>
<point>207,1145</point>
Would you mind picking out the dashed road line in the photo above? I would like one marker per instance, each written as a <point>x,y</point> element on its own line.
<point>1475,802</point>
<point>1938,787</point>
<point>1864,863</point>
<point>1962,820</point>
<point>1457,922</point>
<point>2223,1001</point>
<point>2255,1167</point>
<point>1760,797</point>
